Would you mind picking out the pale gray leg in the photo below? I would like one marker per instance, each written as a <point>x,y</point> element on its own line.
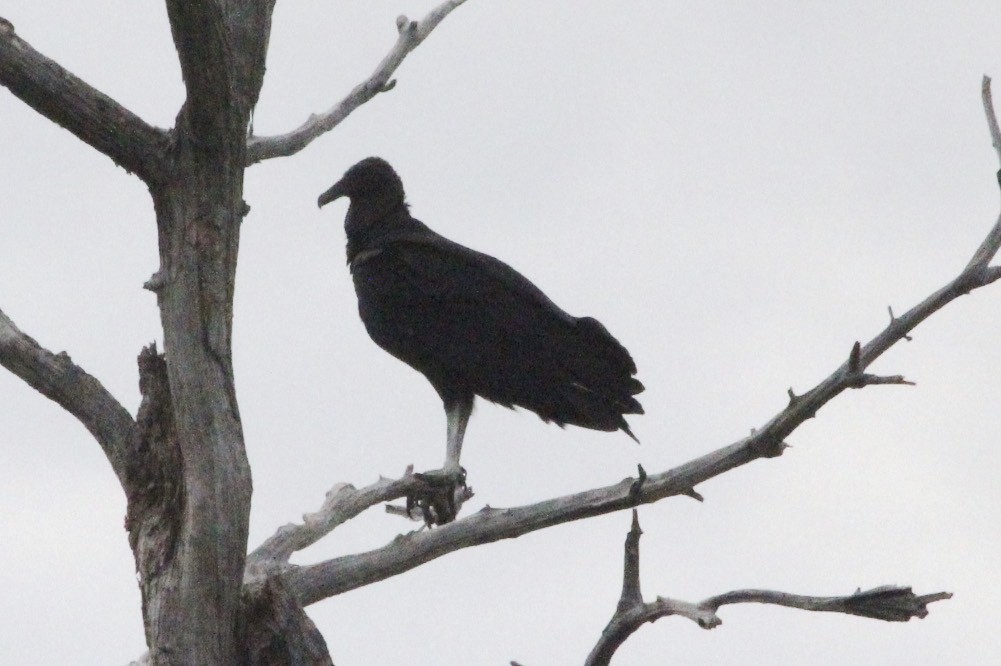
<point>457,414</point>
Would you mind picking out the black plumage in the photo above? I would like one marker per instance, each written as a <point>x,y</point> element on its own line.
<point>472,324</point>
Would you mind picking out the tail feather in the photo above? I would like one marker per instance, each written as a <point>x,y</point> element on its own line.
<point>596,385</point>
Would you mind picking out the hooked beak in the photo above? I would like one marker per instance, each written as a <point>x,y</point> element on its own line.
<point>337,190</point>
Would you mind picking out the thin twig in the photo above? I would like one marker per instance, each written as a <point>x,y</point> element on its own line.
<point>411,34</point>
<point>989,248</point>
<point>992,120</point>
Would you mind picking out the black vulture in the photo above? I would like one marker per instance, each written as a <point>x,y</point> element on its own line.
<point>472,324</point>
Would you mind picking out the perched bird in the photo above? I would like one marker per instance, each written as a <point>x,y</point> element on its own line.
<point>472,324</point>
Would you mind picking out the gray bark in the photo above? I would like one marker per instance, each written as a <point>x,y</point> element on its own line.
<point>185,472</point>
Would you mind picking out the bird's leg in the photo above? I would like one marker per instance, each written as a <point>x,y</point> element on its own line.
<point>446,487</point>
<point>457,414</point>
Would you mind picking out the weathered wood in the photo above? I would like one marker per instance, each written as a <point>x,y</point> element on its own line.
<point>61,380</point>
<point>277,630</point>
<point>199,208</point>
<point>155,502</point>
<point>92,116</point>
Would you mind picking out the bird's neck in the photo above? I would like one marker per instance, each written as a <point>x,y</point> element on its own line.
<point>369,224</point>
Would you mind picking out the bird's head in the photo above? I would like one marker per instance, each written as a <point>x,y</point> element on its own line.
<point>371,179</point>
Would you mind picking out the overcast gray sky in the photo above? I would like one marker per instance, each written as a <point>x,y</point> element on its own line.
<point>737,190</point>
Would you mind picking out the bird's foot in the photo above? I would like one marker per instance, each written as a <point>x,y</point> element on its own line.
<point>440,495</point>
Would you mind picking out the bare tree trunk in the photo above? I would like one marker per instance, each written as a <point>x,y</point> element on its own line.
<point>199,222</point>
<point>192,598</point>
<point>182,461</point>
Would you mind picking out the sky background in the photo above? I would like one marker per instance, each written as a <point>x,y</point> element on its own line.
<point>736,190</point>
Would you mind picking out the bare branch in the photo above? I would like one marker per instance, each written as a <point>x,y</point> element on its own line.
<point>869,380</point>
<point>411,34</point>
<point>992,120</point>
<point>889,603</point>
<point>616,632</point>
<point>92,116</point>
<point>631,593</point>
<point>56,377</point>
<point>315,582</point>
<point>989,248</point>
<point>343,502</point>
<point>976,274</point>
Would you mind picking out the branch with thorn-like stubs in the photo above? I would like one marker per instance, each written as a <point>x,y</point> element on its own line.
<point>888,603</point>
<point>411,34</point>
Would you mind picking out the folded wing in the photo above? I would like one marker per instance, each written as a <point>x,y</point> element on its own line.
<point>472,324</point>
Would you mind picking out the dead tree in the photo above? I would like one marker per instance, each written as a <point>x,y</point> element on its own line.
<point>181,459</point>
